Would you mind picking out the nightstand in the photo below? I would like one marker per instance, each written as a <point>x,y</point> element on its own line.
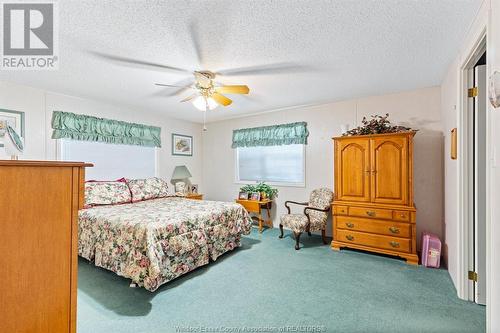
<point>194,196</point>
<point>254,206</point>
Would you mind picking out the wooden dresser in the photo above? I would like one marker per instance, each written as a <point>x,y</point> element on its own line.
<point>373,205</point>
<point>39,204</point>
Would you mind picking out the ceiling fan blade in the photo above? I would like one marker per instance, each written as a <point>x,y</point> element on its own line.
<point>187,99</point>
<point>234,89</point>
<point>269,69</point>
<point>195,37</point>
<point>168,85</point>
<point>221,99</point>
<point>183,85</point>
<point>139,63</point>
<point>172,92</point>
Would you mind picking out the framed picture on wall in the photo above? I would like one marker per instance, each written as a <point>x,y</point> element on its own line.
<point>182,145</point>
<point>15,119</point>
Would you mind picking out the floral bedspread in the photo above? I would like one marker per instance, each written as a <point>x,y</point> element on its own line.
<point>152,242</point>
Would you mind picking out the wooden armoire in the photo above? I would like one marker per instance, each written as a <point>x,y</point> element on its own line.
<point>39,202</point>
<point>373,207</point>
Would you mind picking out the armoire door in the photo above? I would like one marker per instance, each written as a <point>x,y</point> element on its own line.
<point>389,169</point>
<point>353,170</point>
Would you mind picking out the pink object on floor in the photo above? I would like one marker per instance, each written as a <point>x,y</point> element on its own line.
<point>431,250</point>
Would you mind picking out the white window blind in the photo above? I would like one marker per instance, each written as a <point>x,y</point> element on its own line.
<point>284,165</point>
<point>110,161</point>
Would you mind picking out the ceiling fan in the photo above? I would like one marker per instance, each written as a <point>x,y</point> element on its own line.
<point>208,93</point>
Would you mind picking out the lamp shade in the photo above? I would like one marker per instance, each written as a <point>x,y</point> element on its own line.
<point>181,172</point>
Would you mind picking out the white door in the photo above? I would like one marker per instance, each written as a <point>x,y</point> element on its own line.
<point>480,184</point>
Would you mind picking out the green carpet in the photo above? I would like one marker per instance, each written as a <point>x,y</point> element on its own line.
<point>267,286</point>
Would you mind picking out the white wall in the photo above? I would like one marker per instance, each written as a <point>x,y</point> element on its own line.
<point>419,109</point>
<point>449,102</point>
<point>39,104</point>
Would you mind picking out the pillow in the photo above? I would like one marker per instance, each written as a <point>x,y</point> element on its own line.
<point>149,188</point>
<point>106,193</point>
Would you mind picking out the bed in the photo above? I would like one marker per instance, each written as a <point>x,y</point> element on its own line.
<point>154,241</point>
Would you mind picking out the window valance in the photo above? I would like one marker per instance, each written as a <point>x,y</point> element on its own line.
<point>87,128</point>
<point>276,135</point>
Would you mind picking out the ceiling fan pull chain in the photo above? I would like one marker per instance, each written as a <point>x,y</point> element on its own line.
<point>205,116</point>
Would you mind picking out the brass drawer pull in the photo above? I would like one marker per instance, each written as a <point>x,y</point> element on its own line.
<point>349,237</point>
<point>403,215</point>
<point>370,213</point>
<point>394,244</point>
<point>349,225</point>
<point>394,230</point>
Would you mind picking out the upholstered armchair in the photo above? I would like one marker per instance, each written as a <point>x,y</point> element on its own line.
<point>313,218</point>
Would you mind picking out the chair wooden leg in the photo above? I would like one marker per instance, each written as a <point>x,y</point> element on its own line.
<point>297,240</point>
<point>308,229</point>
<point>323,236</point>
<point>281,231</point>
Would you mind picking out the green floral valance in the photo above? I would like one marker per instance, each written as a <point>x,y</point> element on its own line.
<point>87,128</point>
<point>277,135</point>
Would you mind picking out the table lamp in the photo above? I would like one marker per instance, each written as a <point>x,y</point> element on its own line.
<point>180,176</point>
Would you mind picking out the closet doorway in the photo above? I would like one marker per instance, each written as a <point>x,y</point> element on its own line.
<point>475,171</point>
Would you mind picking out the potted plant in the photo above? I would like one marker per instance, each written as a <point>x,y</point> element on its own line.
<point>266,191</point>
<point>249,188</point>
<point>377,125</point>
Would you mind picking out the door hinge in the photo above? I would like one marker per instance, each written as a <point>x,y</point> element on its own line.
<point>473,276</point>
<point>472,92</point>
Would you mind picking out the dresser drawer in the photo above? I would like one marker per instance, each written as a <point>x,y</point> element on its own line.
<point>401,215</point>
<point>374,226</point>
<point>340,210</point>
<point>378,241</point>
<point>371,212</point>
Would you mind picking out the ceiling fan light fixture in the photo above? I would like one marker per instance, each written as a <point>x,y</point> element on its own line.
<point>201,103</point>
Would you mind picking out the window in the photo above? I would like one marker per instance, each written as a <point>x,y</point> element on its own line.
<point>111,161</point>
<point>284,164</point>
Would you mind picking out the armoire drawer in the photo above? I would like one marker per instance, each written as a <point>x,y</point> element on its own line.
<point>401,215</point>
<point>374,226</point>
<point>371,240</point>
<point>371,212</point>
<point>340,210</point>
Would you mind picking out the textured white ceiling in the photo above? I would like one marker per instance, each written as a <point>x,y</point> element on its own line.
<point>338,49</point>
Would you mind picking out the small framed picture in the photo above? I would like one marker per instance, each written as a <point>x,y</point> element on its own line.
<point>14,119</point>
<point>194,188</point>
<point>243,196</point>
<point>182,145</point>
<point>255,196</point>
